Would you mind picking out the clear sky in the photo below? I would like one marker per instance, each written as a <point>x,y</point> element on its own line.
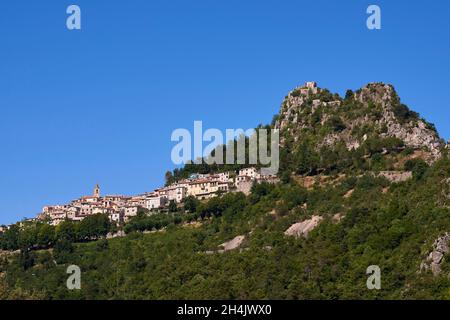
<point>99,105</point>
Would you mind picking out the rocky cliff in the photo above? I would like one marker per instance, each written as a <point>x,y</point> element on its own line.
<point>372,111</point>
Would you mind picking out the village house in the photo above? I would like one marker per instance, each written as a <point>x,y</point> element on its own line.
<point>225,177</point>
<point>116,216</point>
<point>249,172</point>
<point>176,193</point>
<point>73,213</point>
<point>57,217</point>
<point>249,176</point>
<point>130,211</point>
<point>206,188</point>
<point>115,201</point>
<point>138,201</point>
<point>155,202</point>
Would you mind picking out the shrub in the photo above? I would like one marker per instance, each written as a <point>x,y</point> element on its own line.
<point>404,114</point>
<point>336,124</point>
<point>418,167</point>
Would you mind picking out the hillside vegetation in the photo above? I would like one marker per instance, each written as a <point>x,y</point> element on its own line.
<point>339,146</point>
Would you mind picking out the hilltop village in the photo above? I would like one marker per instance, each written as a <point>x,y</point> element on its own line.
<point>120,208</point>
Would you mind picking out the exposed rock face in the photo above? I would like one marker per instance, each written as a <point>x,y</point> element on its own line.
<point>445,202</point>
<point>323,180</point>
<point>233,244</point>
<point>337,218</point>
<point>446,188</point>
<point>297,99</point>
<point>380,107</point>
<point>119,233</point>
<point>436,257</point>
<point>377,93</point>
<point>414,134</point>
<point>396,176</point>
<point>349,194</point>
<point>302,229</point>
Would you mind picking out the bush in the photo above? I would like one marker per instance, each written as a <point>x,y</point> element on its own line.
<point>191,203</point>
<point>94,227</point>
<point>173,206</point>
<point>349,94</point>
<point>418,167</point>
<point>336,124</point>
<point>62,250</point>
<point>404,114</point>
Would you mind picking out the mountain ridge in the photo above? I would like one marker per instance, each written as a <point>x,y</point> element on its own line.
<point>377,102</point>
<point>367,129</point>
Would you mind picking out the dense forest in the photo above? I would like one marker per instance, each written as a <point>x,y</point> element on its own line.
<point>175,254</point>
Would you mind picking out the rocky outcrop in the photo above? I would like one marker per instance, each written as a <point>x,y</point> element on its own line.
<point>414,133</point>
<point>378,93</point>
<point>117,234</point>
<point>337,218</point>
<point>321,180</point>
<point>349,193</point>
<point>446,188</point>
<point>302,229</point>
<point>416,136</point>
<point>395,176</point>
<point>380,108</point>
<point>295,100</point>
<point>436,256</point>
<point>233,244</point>
<point>445,194</point>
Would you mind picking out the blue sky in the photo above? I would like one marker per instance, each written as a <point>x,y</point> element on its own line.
<point>99,105</point>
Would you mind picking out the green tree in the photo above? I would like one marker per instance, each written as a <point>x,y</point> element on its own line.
<point>191,204</point>
<point>336,123</point>
<point>9,239</point>
<point>94,227</point>
<point>67,230</point>
<point>62,250</point>
<point>173,206</point>
<point>46,235</point>
<point>418,167</point>
<point>168,177</point>
<point>27,238</point>
<point>349,94</point>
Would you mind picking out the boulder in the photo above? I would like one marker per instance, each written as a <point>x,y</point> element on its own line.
<point>233,244</point>
<point>302,229</point>
<point>436,256</point>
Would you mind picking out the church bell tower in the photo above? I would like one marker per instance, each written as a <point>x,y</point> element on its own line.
<point>97,191</point>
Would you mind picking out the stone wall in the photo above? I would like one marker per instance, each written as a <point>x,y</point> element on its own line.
<point>244,187</point>
<point>395,176</point>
